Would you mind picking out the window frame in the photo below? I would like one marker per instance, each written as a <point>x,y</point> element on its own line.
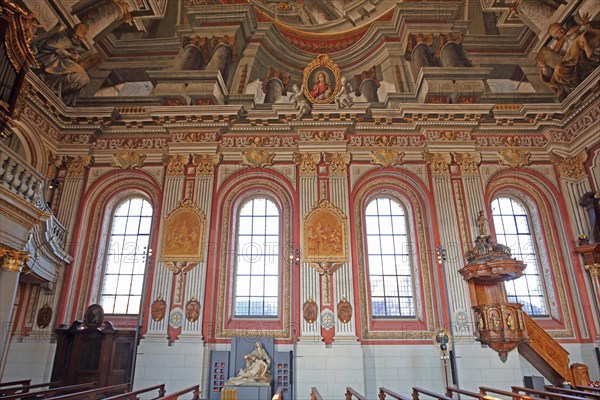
<point>111,209</point>
<point>539,254</point>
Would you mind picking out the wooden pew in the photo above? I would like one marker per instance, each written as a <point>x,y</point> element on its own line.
<point>175,396</point>
<point>314,394</point>
<point>278,394</point>
<point>416,391</point>
<point>95,393</point>
<point>26,388</point>
<point>580,393</point>
<point>134,395</point>
<point>23,382</point>
<point>588,389</point>
<point>44,394</point>
<point>351,392</point>
<point>544,394</point>
<point>383,393</point>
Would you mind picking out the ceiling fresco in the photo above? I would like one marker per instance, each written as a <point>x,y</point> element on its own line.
<point>199,52</point>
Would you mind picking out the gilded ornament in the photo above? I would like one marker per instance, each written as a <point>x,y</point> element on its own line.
<point>571,167</point>
<point>44,316</point>
<point>469,162</point>
<point>310,311</point>
<point>128,160</point>
<point>76,165</point>
<point>338,163</point>
<point>183,233</point>
<point>480,323</point>
<point>439,162</point>
<point>257,158</point>
<point>322,80</point>
<point>158,309</point>
<point>176,164</point>
<point>324,234</point>
<point>510,322</point>
<point>344,311</point>
<point>387,157</point>
<point>13,260</point>
<point>307,163</point>
<point>514,158</point>
<point>192,310</point>
<point>206,163</point>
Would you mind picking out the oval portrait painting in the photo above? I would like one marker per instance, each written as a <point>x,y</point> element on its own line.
<point>321,78</point>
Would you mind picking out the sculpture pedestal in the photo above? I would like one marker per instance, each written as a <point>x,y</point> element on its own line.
<point>253,391</point>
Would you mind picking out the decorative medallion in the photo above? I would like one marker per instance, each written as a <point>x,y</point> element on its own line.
<point>387,157</point>
<point>514,158</point>
<point>94,316</point>
<point>310,311</point>
<point>158,309</point>
<point>176,318</point>
<point>327,319</point>
<point>44,316</point>
<point>183,234</point>
<point>344,310</point>
<point>324,235</point>
<point>128,160</point>
<point>257,158</point>
<point>192,310</point>
<point>321,80</point>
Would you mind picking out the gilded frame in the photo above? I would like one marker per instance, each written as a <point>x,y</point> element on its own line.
<point>324,234</point>
<point>182,237</point>
<point>322,65</point>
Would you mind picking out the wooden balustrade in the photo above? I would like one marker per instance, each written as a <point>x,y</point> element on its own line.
<point>314,394</point>
<point>193,389</point>
<point>417,391</point>
<point>450,391</point>
<point>515,396</point>
<point>383,393</point>
<point>134,395</point>
<point>95,393</point>
<point>23,382</point>
<point>544,394</point>
<point>351,392</point>
<point>573,392</point>
<point>26,388</point>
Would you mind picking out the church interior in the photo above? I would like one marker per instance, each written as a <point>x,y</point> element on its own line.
<point>294,199</point>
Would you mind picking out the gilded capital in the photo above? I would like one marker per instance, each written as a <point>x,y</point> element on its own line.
<point>206,163</point>
<point>12,260</point>
<point>338,163</point>
<point>571,167</point>
<point>307,163</point>
<point>176,164</point>
<point>439,162</point>
<point>77,165</point>
<point>469,162</point>
<point>593,269</point>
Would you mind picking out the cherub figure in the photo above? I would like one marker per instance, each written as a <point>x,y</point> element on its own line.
<point>343,99</point>
<point>299,101</point>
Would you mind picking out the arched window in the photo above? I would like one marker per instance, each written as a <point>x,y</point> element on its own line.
<point>389,260</point>
<point>125,264</point>
<point>512,226</point>
<point>257,259</point>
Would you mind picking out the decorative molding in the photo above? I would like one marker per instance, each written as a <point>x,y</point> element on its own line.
<point>439,162</point>
<point>448,135</point>
<point>338,163</point>
<point>77,165</point>
<point>387,157</point>
<point>130,144</point>
<point>12,260</point>
<point>258,158</point>
<point>176,164</point>
<point>514,158</point>
<point>195,137</point>
<point>469,162</point>
<point>307,163</point>
<point>571,167</point>
<point>321,135</point>
<point>128,160</point>
<point>206,163</point>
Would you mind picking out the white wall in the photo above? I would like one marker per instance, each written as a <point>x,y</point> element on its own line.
<point>30,357</point>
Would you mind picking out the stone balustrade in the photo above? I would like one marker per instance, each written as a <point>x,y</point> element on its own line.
<point>20,178</point>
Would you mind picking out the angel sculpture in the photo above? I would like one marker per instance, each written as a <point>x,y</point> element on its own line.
<point>299,101</point>
<point>343,99</point>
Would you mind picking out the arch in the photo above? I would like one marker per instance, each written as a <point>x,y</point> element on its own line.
<point>94,215</point>
<point>233,193</point>
<point>36,152</point>
<point>408,191</point>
